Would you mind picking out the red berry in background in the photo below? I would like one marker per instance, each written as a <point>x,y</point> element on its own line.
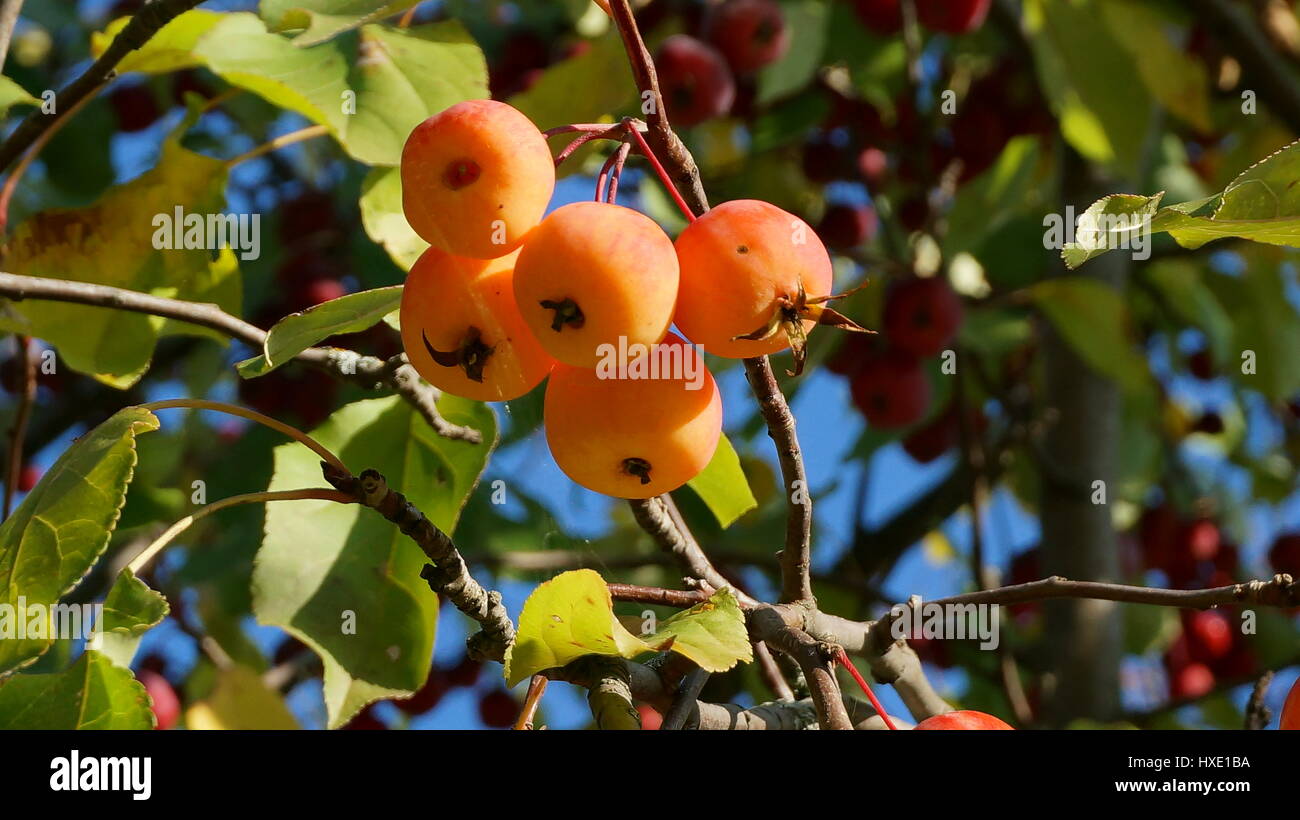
<point>12,375</point>
<point>952,16</point>
<point>1158,531</point>
<point>979,133</point>
<point>697,84</point>
<point>940,435</point>
<point>913,212</point>
<point>1026,567</point>
<point>189,81</point>
<point>428,695</point>
<point>1284,555</point>
<point>848,226</point>
<point>853,351</point>
<point>1209,635</point>
<point>1291,709</point>
<point>325,290</point>
<point>523,55</point>
<point>962,720</point>
<point>1240,664</point>
<point>464,673</point>
<point>823,160</point>
<point>922,315</point>
<point>1192,681</point>
<point>749,33</point>
<point>29,478</point>
<point>931,650</point>
<point>365,721</point>
<point>1201,365</point>
<point>873,164</point>
<point>163,701</point>
<point>135,107</point>
<point>1201,539</point>
<point>881,16</point>
<point>498,709</point>
<point>891,390</point>
<point>308,215</point>
<point>1211,424</point>
<point>933,440</point>
<point>651,720</point>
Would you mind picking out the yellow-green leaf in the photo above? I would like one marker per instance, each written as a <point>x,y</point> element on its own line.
<point>722,485</point>
<point>240,700</point>
<point>572,615</point>
<point>63,525</point>
<point>112,242</point>
<point>171,49</point>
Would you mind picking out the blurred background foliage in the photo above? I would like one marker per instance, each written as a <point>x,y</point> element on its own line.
<point>927,157</point>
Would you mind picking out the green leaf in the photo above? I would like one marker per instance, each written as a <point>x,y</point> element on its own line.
<point>1092,318</point>
<point>93,693</point>
<point>1262,204</point>
<point>322,19</point>
<point>63,525</point>
<point>806,22</point>
<point>112,242</point>
<point>722,485</point>
<point>1265,323</point>
<point>240,700</point>
<point>987,202</point>
<point>1172,75</point>
<point>1113,221</point>
<point>11,94</point>
<point>1088,76</point>
<point>385,221</point>
<point>297,332</point>
<point>711,633</point>
<point>170,49</point>
<point>322,564</point>
<point>130,610</point>
<point>395,78</point>
<point>572,615</point>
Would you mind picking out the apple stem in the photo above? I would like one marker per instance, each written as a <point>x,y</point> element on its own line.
<point>610,173</point>
<point>871,696</point>
<point>644,147</point>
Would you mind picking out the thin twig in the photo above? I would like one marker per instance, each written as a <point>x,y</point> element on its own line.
<point>315,494</point>
<point>310,132</point>
<point>536,688</point>
<point>15,176</point>
<point>659,518</point>
<point>1257,712</point>
<point>18,434</point>
<point>143,25</point>
<point>367,371</point>
<point>448,575</point>
<point>655,596</point>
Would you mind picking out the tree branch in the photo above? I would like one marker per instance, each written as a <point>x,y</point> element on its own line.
<point>366,371</point>
<point>447,575</point>
<point>796,557</point>
<point>9,12</point>
<point>659,518</point>
<point>143,25</point>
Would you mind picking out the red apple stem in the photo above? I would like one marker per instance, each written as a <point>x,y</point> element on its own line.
<point>610,173</point>
<point>871,696</point>
<point>644,148</point>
